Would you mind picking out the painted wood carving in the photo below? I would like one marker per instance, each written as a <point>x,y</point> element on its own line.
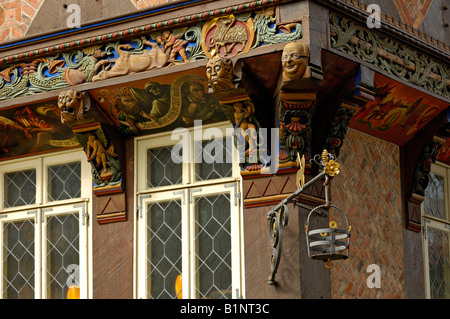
<point>129,63</point>
<point>389,55</point>
<point>106,170</point>
<point>240,111</point>
<point>294,61</point>
<point>228,36</point>
<point>397,113</point>
<point>296,103</point>
<point>141,49</point>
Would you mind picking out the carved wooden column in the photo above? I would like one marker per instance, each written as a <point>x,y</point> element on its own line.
<point>104,150</point>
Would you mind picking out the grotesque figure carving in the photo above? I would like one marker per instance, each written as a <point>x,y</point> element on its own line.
<point>220,74</point>
<point>73,106</point>
<point>294,60</point>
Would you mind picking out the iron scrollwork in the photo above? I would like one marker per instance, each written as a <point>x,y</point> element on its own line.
<point>278,216</point>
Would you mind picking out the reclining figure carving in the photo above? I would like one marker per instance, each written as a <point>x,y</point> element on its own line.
<point>129,63</point>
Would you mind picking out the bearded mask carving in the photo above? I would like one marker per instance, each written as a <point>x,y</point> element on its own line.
<point>294,60</point>
<point>219,72</point>
<point>73,106</point>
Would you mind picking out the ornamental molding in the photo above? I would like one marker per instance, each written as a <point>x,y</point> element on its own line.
<point>140,30</point>
<point>389,55</point>
<point>389,25</point>
<point>153,46</point>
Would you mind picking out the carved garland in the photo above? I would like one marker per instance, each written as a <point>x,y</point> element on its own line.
<point>389,55</point>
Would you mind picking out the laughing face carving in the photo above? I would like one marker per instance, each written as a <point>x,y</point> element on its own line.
<point>294,60</point>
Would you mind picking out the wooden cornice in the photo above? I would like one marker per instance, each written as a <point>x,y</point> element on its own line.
<point>356,10</point>
<point>152,19</point>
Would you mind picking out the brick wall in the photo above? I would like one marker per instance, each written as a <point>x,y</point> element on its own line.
<point>368,190</point>
<point>16,17</point>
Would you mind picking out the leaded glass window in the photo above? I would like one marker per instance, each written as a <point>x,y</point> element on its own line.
<point>64,181</point>
<point>161,169</point>
<point>434,201</point>
<point>19,188</point>
<point>44,225</point>
<point>439,262</point>
<point>18,259</point>
<point>164,248</point>
<point>213,159</point>
<point>213,246</point>
<point>189,212</point>
<point>62,251</point>
<point>436,233</point>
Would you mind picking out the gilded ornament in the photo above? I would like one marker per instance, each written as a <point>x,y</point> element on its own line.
<point>332,168</point>
<point>228,36</point>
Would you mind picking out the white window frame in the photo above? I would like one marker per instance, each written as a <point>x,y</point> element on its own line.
<point>145,196</point>
<point>43,208</point>
<point>440,224</point>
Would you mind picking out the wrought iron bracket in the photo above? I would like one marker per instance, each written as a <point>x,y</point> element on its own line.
<point>278,216</point>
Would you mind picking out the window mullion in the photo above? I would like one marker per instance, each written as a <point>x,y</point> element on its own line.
<point>186,246</point>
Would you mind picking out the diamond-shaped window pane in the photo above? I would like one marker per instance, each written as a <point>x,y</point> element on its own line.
<point>64,181</point>
<point>213,246</point>
<point>434,202</point>
<point>20,188</point>
<point>439,263</point>
<point>164,166</point>
<point>164,249</point>
<point>18,260</point>
<point>62,252</point>
<point>213,159</point>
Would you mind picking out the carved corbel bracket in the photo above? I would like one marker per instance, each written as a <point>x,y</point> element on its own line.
<point>296,104</point>
<point>421,180</point>
<point>223,80</point>
<point>361,92</point>
<point>295,114</point>
<point>91,129</point>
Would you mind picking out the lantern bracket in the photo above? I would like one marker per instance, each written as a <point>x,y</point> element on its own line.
<point>278,216</point>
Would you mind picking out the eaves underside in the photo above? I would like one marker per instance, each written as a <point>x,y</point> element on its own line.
<point>167,15</point>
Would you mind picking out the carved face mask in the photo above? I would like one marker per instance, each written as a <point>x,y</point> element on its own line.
<point>294,61</point>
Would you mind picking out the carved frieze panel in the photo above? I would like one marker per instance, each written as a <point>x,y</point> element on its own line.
<point>228,33</point>
<point>389,55</point>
